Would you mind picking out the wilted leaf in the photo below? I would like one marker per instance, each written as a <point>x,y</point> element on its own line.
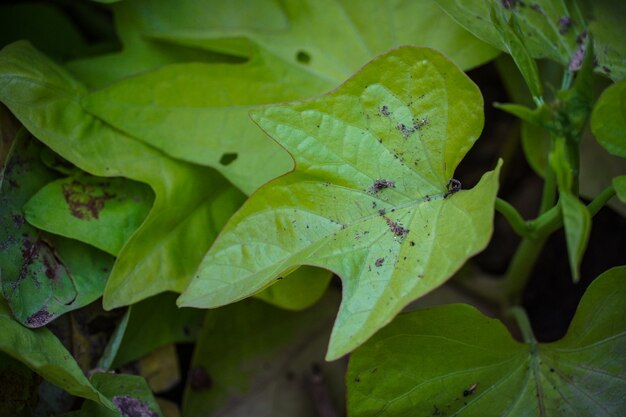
<point>256,360</point>
<point>452,360</point>
<point>41,351</point>
<point>191,202</point>
<point>103,212</point>
<point>369,197</point>
<point>199,112</point>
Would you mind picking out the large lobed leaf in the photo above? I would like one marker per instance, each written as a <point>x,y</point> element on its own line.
<point>199,111</point>
<point>191,202</point>
<point>452,360</point>
<point>368,199</point>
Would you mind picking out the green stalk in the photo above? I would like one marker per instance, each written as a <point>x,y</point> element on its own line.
<point>521,318</point>
<point>515,219</point>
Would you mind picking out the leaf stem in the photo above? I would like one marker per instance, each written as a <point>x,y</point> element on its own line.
<point>515,219</point>
<point>524,325</point>
<point>530,247</point>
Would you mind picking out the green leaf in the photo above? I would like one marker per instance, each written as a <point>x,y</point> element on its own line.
<point>298,290</point>
<point>191,202</point>
<point>157,322</point>
<point>43,24</point>
<point>130,394</point>
<point>452,360</point>
<point>255,360</point>
<point>607,31</point>
<point>100,211</point>
<point>199,112</point>
<point>138,53</point>
<point>544,33</point>
<point>577,223</point>
<point>608,120</point>
<point>619,183</point>
<point>368,199</point>
<point>41,351</point>
<point>42,276</point>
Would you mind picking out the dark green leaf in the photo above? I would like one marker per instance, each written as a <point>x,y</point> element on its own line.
<point>620,187</point>
<point>42,276</point>
<point>255,360</point>
<point>452,360</point>
<point>608,120</point>
<point>41,351</point>
<point>129,393</point>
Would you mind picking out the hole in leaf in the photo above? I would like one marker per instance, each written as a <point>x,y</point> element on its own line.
<point>228,158</point>
<point>303,57</point>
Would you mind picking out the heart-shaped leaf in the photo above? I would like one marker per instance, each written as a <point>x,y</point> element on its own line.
<point>370,199</point>
<point>199,112</point>
<point>452,360</point>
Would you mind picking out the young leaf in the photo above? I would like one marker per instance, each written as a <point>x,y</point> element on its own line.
<point>256,360</point>
<point>41,351</point>
<point>199,112</point>
<point>608,120</point>
<point>100,211</point>
<point>298,290</point>
<point>452,360</point>
<point>370,199</point>
<point>191,202</point>
<point>577,224</point>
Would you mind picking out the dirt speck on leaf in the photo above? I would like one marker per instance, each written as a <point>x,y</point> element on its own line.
<point>379,262</point>
<point>133,407</point>
<point>384,110</point>
<point>565,22</point>
<point>381,184</point>
<point>39,319</point>
<point>397,229</point>
<point>85,201</point>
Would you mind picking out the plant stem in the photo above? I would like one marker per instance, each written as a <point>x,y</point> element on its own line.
<point>515,219</point>
<point>524,325</point>
<point>529,249</point>
<point>549,188</point>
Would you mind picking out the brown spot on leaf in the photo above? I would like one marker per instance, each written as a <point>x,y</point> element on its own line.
<point>379,262</point>
<point>133,407</point>
<point>199,379</point>
<point>18,220</point>
<point>384,110</point>
<point>86,201</point>
<point>39,319</point>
